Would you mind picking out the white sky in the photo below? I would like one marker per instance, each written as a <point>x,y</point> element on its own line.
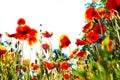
<point>58,16</point>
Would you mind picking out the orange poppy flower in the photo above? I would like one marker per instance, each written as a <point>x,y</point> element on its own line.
<point>64,66</point>
<point>64,41</point>
<point>45,46</point>
<point>80,42</point>
<point>47,34</point>
<point>92,37</point>
<point>87,27</point>
<point>74,51</point>
<point>21,21</point>
<point>90,14</point>
<point>81,54</point>
<point>3,50</point>
<point>110,45</point>
<point>99,28</point>
<point>113,5</point>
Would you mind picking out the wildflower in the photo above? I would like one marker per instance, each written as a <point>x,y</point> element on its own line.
<point>21,21</point>
<point>26,63</point>
<point>66,76</point>
<point>3,50</point>
<point>107,44</point>
<point>91,14</point>
<point>113,5</point>
<point>34,66</point>
<point>92,37</point>
<point>47,34</point>
<point>71,56</point>
<point>87,27</point>
<point>99,28</point>
<point>81,54</point>
<point>64,66</point>
<point>64,41</point>
<point>80,42</point>
<point>74,51</point>
<point>45,46</point>
<point>49,65</point>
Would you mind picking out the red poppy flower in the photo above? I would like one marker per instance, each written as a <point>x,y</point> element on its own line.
<point>64,41</point>
<point>47,34</point>
<point>92,37</point>
<point>21,21</point>
<point>81,54</point>
<point>80,42</point>
<point>66,76</point>
<point>34,66</point>
<point>113,5</point>
<point>99,28</point>
<point>87,27</point>
<point>90,14</point>
<point>45,46</point>
<point>0,35</point>
<point>49,65</point>
<point>64,66</point>
<point>3,50</point>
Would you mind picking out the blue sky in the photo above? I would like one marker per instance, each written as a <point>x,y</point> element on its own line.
<point>58,16</point>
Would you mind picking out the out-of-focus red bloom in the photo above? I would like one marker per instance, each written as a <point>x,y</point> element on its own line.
<point>71,56</point>
<point>92,37</point>
<point>91,14</point>
<point>34,66</point>
<point>101,11</point>
<point>110,45</point>
<point>21,21</point>
<point>87,27</point>
<point>64,41</point>
<point>113,5</point>
<point>47,34</point>
<point>80,42</point>
<point>34,78</point>
<point>81,54</point>
<point>49,65</point>
<point>3,50</point>
<point>66,76</point>
<point>74,51</point>
<point>64,66</point>
<point>0,35</point>
<point>45,46</point>
<point>99,28</point>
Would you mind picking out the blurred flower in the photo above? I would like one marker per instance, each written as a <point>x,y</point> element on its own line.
<point>74,51</point>
<point>99,28</point>
<point>66,76</point>
<point>80,42</point>
<point>91,14</point>
<point>21,21</point>
<point>92,37</point>
<point>0,35</point>
<point>64,41</point>
<point>113,5</point>
<point>47,34</point>
<point>34,77</point>
<point>71,56</point>
<point>64,65</point>
<point>81,54</point>
<point>34,66</point>
<point>26,63</point>
<point>87,27</point>
<point>107,44</point>
<point>49,65</point>
<point>45,46</point>
<point>3,50</point>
